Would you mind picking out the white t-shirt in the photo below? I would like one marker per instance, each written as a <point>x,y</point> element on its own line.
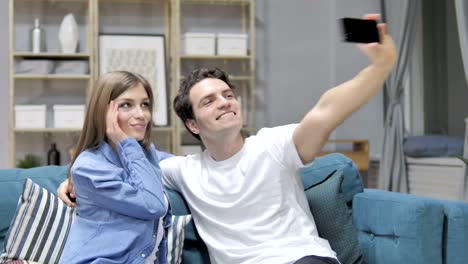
<point>250,208</point>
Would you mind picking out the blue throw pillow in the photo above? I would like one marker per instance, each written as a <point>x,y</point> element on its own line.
<point>333,217</point>
<point>324,166</point>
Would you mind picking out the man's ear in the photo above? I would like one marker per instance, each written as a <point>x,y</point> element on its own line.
<point>193,126</point>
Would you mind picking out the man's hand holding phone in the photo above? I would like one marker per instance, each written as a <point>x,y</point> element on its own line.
<point>375,42</point>
<point>360,30</point>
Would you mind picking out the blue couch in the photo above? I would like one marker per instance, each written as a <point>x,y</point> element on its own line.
<point>391,227</point>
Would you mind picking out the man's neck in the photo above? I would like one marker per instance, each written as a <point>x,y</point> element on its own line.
<point>224,148</point>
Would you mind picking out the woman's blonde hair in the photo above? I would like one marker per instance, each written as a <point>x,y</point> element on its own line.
<point>109,86</point>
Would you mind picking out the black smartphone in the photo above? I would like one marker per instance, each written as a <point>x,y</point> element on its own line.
<point>360,30</point>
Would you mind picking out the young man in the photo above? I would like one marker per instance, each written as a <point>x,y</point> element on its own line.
<point>245,195</point>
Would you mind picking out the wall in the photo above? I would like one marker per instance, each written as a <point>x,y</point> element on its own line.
<point>299,56</point>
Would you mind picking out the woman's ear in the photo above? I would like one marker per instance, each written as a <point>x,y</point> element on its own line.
<point>193,126</point>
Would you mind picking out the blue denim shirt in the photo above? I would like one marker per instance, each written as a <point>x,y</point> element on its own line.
<point>120,200</point>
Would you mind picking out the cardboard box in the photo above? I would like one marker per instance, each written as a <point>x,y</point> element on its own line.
<point>232,44</point>
<point>30,116</point>
<point>199,43</point>
<point>69,116</point>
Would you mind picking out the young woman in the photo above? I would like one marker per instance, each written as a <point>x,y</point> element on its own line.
<point>120,203</point>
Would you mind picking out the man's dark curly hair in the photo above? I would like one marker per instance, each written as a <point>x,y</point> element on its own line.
<point>182,104</point>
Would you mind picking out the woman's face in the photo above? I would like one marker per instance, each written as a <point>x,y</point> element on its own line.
<point>134,111</point>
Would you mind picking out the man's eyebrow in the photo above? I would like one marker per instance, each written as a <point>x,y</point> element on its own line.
<point>205,97</point>
<point>226,90</point>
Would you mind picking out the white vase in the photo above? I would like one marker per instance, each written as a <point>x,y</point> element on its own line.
<point>68,34</point>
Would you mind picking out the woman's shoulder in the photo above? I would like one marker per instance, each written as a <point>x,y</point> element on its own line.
<point>89,158</point>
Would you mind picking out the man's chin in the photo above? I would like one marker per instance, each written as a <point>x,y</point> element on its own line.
<point>231,127</point>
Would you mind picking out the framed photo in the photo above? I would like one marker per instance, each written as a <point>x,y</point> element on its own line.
<point>143,54</point>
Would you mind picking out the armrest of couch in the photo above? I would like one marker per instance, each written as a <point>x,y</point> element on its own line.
<point>398,228</point>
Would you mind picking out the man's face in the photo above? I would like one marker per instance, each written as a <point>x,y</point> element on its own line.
<point>134,112</point>
<point>215,108</point>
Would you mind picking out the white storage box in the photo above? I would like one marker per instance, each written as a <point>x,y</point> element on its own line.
<point>232,44</point>
<point>199,43</point>
<point>30,116</point>
<point>441,178</point>
<point>69,116</point>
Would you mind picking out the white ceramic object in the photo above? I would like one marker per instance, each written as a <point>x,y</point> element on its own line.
<point>68,34</point>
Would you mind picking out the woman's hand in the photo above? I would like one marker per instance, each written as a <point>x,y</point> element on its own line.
<point>66,193</point>
<point>113,131</point>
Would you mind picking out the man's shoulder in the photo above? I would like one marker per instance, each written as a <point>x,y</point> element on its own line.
<point>268,133</point>
<point>180,161</point>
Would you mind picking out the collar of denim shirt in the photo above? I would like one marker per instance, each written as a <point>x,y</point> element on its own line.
<point>110,153</point>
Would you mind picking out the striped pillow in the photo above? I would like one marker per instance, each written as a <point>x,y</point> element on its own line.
<point>21,262</point>
<point>175,238</point>
<point>41,224</point>
<point>39,228</point>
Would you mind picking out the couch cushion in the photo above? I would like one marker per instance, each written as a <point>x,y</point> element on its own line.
<point>455,231</point>
<point>333,217</point>
<point>11,187</point>
<point>398,228</point>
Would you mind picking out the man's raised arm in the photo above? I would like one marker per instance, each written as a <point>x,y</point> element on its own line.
<point>336,104</point>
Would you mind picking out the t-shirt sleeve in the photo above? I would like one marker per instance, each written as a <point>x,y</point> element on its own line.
<point>280,145</point>
<point>171,172</point>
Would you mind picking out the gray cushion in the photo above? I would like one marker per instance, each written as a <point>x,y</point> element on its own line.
<point>333,217</point>
<point>433,146</point>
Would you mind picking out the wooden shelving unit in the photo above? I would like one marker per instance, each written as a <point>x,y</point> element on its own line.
<point>244,78</point>
<point>42,86</point>
<point>51,55</point>
<point>358,151</point>
<point>215,57</point>
<point>51,77</point>
<point>94,18</point>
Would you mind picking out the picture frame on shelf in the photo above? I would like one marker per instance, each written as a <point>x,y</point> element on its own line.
<point>142,54</point>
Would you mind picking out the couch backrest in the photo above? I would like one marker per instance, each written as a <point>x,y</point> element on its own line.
<point>195,252</point>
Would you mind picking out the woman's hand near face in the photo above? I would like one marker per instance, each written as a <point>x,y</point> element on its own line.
<point>113,131</point>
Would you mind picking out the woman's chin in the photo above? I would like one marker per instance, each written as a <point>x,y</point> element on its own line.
<point>138,136</point>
